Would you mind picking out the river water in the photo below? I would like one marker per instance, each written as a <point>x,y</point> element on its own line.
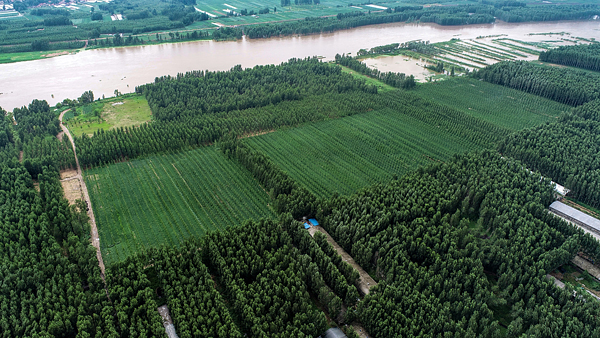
<point>104,70</point>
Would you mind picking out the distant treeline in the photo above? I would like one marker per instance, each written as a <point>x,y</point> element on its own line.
<point>312,25</point>
<point>582,56</point>
<point>442,15</point>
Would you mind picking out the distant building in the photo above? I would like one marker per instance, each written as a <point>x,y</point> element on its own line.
<point>584,220</point>
<point>333,333</point>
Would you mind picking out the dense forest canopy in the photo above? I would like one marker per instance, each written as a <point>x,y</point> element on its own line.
<point>572,87</point>
<point>566,151</point>
<point>581,56</point>
<point>198,93</point>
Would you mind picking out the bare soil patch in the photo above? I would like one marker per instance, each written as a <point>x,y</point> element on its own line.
<point>72,190</point>
<point>258,133</point>
<point>60,135</point>
<point>67,173</point>
<point>360,330</point>
<point>55,54</point>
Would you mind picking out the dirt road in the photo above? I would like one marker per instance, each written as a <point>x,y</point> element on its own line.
<point>94,230</point>
<point>365,282</point>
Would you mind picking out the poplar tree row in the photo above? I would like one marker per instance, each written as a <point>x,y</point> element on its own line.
<point>569,86</point>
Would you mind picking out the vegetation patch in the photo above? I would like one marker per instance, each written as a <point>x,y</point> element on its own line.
<point>167,198</point>
<point>117,112</point>
<point>347,154</point>
<point>506,107</point>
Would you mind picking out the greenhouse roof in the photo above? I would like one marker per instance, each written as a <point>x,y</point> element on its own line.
<point>576,215</point>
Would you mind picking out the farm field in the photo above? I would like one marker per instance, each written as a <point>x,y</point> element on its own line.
<point>124,111</point>
<point>167,198</point>
<point>402,133</point>
<point>347,154</point>
<point>463,54</point>
<point>293,12</point>
<point>502,106</point>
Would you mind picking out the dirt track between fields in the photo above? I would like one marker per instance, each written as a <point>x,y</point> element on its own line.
<point>365,282</point>
<point>79,176</point>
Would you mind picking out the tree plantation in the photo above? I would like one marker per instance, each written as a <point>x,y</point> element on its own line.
<point>581,56</point>
<point>438,191</point>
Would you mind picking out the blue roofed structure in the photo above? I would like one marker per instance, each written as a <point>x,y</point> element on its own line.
<point>313,222</point>
<point>306,225</point>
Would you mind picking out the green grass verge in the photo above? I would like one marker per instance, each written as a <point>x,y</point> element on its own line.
<point>123,111</point>
<point>29,56</point>
<point>167,198</point>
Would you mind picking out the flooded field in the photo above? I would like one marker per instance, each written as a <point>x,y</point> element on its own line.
<point>474,53</point>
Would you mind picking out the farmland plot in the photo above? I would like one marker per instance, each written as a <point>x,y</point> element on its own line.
<point>167,198</point>
<point>503,106</point>
<point>406,130</point>
<point>347,154</point>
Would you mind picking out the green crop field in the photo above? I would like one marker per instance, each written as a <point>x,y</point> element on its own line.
<point>167,198</point>
<point>347,154</point>
<point>402,133</point>
<point>503,106</point>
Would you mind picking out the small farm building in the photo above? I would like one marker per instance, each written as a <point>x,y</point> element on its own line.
<point>306,225</point>
<point>313,221</point>
<point>584,220</point>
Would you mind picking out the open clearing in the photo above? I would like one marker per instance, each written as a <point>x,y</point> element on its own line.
<point>71,185</point>
<point>124,111</point>
<point>167,198</point>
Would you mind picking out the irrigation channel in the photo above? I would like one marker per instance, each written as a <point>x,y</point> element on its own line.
<point>105,70</point>
<point>94,230</point>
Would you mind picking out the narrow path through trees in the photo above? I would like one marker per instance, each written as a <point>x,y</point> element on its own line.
<point>94,230</point>
<point>365,282</point>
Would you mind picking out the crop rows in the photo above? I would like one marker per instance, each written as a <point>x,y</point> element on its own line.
<point>168,198</point>
<point>502,106</point>
<point>347,154</point>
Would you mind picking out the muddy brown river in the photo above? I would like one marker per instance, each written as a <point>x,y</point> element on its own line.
<point>104,70</point>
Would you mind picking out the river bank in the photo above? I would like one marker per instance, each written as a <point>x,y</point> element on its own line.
<point>105,70</point>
